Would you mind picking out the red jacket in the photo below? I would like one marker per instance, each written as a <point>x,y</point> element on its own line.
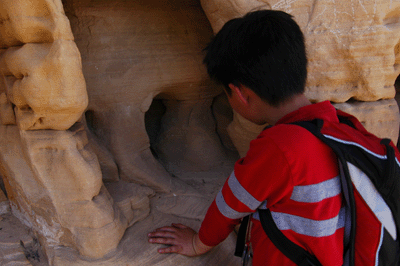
<point>295,175</point>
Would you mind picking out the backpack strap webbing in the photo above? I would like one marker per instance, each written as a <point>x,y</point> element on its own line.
<point>241,236</point>
<point>294,252</point>
<point>291,250</point>
<point>315,127</point>
<point>388,187</point>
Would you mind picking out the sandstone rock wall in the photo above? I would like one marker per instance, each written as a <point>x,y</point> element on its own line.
<point>50,153</point>
<point>137,51</point>
<point>53,180</point>
<point>41,66</point>
<point>134,69</point>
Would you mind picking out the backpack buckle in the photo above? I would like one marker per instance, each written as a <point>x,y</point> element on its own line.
<point>247,255</point>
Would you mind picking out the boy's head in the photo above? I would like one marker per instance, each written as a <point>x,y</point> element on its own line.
<point>264,51</point>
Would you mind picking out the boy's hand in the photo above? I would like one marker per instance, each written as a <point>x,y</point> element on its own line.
<point>183,240</point>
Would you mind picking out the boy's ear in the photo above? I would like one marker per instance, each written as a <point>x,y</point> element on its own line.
<point>239,92</point>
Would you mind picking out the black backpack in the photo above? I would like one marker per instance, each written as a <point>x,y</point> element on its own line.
<point>382,170</point>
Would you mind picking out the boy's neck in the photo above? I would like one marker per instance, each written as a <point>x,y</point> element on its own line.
<point>274,114</point>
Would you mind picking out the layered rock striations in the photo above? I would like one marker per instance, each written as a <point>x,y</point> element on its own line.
<point>53,180</point>
<point>110,126</point>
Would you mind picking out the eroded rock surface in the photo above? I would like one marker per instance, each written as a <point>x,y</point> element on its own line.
<point>16,243</point>
<point>41,65</point>
<point>48,161</point>
<point>58,191</point>
<point>140,51</point>
<point>380,118</point>
<point>51,174</point>
<point>148,137</point>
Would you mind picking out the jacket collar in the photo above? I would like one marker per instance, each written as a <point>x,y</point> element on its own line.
<point>323,110</point>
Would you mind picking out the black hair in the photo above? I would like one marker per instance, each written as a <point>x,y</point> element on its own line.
<point>264,51</point>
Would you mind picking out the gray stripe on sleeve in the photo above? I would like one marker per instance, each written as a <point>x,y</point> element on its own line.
<point>226,210</point>
<point>308,227</point>
<point>241,193</point>
<point>317,192</point>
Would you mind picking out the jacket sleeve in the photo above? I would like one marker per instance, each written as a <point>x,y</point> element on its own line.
<point>262,175</point>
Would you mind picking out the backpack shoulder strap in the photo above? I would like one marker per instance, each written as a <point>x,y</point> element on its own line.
<point>315,127</point>
<point>294,252</point>
<point>241,236</point>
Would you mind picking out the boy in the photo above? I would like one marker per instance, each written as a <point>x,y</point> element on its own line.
<point>261,60</point>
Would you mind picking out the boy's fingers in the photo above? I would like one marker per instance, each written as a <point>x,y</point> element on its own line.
<point>171,249</point>
<point>164,229</point>
<point>181,226</point>
<point>162,234</point>
<point>162,240</point>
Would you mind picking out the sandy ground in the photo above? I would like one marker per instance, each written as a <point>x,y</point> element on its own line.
<point>19,247</point>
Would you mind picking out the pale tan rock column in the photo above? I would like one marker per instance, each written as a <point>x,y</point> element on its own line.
<point>52,177</point>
